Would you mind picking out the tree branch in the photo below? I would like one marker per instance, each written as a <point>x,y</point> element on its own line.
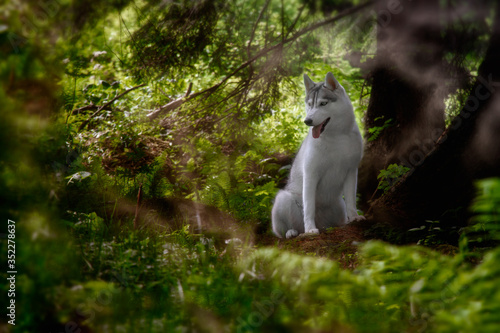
<point>252,35</point>
<point>82,126</point>
<point>177,103</point>
<point>90,107</point>
<point>290,29</point>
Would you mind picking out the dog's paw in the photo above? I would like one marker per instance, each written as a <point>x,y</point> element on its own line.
<point>309,233</point>
<point>312,231</point>
<point>355,218</point>
<point>291,233</point>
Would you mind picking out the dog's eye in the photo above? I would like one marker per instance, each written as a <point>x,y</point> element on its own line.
<point>323,103</point>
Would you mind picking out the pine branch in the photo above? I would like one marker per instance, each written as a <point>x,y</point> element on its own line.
<point>177,103</point>
<point>252,35</point>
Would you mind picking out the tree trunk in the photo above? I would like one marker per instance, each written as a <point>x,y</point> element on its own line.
<point>440,186</point>
<point>407,81</point>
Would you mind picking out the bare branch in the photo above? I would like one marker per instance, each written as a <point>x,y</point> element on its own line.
<point>174,104</point>
<point>252,35</point>
<point>188,92</point>
<point>290,29</point>
<point>90,107</point>
<point>82,126</point>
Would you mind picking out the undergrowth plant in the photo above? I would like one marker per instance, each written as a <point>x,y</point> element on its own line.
<point>176,277</point>
<point>389,176</point>
<point>484,230</point>
<point>375,131</point>
<point>69,163</point>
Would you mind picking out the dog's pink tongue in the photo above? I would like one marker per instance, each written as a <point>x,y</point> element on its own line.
<point>317,131</point>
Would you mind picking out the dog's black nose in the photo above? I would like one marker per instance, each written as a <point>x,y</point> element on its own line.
<point>308,121</point>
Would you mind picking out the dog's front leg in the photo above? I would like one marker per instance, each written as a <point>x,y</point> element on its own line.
<point>349,190</point>
<point>309,200</point>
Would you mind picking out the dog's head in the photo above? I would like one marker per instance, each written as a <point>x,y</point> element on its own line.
<point>327,106</point>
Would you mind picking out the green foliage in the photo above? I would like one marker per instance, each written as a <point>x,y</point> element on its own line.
<point>284,130</point>
<point>432,234</point>
<point>388,177</point>
<point>484,229</point>
<point>155,279</point>
<point>395,289</point>
<point>83,266</point>
<point>486,206</point>
<point>28,177</point>
<point>375,131</point>
<point>246,190</point>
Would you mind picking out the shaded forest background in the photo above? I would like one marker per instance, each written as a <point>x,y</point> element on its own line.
<point>143,144</point>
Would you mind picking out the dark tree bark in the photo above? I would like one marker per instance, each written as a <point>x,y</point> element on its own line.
<point>440,185</point>
<point>407,80</point>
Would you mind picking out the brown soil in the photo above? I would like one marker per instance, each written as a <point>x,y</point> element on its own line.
<point>339,244</point>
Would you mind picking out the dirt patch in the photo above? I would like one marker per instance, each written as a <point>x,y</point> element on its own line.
<point>339,244</point>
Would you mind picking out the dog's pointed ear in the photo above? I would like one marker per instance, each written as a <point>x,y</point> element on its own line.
<point>308,83</point>
<point>331,82</point>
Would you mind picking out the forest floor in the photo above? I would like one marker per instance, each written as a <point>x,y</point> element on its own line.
<point>342,243</point>
<point>339,244</point>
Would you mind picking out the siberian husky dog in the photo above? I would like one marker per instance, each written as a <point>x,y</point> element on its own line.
<point>321,191</point>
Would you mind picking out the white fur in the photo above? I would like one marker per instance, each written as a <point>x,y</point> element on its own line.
<point>325,168</point>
